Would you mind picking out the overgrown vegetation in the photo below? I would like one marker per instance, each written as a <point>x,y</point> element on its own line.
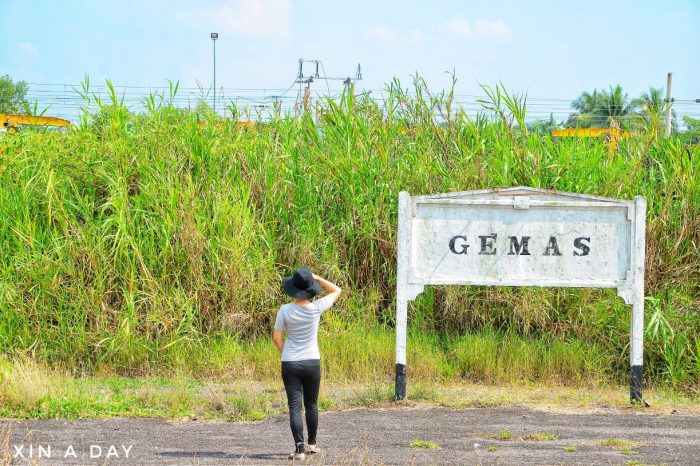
<point>145,243</point>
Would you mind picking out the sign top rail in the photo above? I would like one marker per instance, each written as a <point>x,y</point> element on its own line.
<point>520,191</point>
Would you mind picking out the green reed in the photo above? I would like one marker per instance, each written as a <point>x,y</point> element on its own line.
<point>140,242</point>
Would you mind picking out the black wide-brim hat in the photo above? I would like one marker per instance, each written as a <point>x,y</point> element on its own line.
<point>301,285</point>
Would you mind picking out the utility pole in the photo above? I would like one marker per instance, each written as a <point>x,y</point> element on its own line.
<point>304,96</point>
<point>214,36</point>
<point>669,103</point>
<point>350,84</point>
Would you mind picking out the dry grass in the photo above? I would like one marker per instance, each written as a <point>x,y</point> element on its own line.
<point>25,383</point>
<point>28,389</point>
<point>619,443</point>
<point>540,436</point>
<point>6,439</point>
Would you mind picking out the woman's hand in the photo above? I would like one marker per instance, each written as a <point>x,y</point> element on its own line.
<point>332,288</point>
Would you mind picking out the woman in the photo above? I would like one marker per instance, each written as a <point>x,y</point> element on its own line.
<point>301,360</point>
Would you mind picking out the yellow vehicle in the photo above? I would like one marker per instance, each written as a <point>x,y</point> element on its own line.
<point>12,123</point>
<point>610,135</point>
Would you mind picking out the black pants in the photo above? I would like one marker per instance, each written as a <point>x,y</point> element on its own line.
<point>302,380</point>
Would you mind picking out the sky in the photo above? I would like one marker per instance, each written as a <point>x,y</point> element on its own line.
<point>547,49</point>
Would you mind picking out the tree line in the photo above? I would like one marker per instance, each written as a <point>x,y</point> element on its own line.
<point>606,108</point>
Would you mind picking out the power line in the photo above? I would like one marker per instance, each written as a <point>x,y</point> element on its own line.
<point>68,99</point>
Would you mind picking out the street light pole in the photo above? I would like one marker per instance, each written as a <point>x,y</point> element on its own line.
<point>214,36</point>
<point>669,103</point>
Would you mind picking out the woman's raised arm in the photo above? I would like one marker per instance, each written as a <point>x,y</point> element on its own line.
<point>331,287</point>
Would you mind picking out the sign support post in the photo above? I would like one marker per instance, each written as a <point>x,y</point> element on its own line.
<point>405,292</point>
<point>521,237</point>
<point>637,327</point>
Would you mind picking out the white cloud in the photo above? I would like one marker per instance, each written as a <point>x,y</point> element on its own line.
<point>481,29</point>
<point>28,48</point>
<point>255,18</point>
<point>457,26</point>
<point>497,29</point>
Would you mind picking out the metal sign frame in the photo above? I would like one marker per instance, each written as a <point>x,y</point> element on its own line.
<point>630,288</point>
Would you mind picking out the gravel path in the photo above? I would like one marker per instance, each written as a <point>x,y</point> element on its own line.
<point>366,436</point>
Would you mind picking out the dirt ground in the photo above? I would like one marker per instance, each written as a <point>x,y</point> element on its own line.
<point>367,436</point>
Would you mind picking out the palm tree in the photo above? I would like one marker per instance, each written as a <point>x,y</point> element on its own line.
<point>616,107</point>
<point>652,101</point>
<point>653,109</point>
<point>611,108</point>
<point>585,105</point>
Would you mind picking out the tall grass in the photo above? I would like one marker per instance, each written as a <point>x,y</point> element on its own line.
<point>146,241</point>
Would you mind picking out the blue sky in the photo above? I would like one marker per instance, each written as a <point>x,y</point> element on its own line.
<point>549,49</point>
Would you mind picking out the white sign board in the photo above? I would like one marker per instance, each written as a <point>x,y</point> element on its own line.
<point>521,237</point>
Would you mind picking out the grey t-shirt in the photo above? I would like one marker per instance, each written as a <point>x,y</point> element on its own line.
<point>301,324</point>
